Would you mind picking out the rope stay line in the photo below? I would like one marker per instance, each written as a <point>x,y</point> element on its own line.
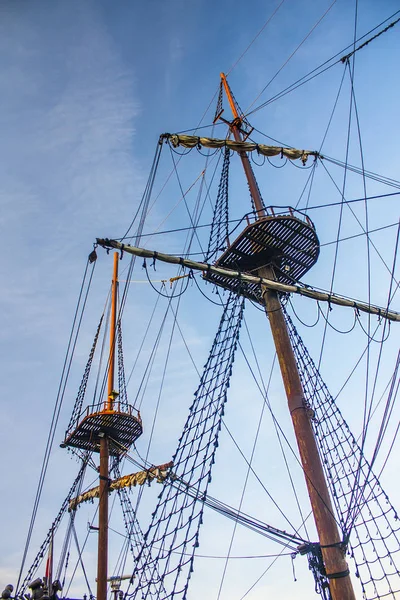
<point>302,290</point>
<point>288,540</point>
<point>292,54</point>
<point>255,37</point>
<point>212,503</point>
<point>360,171</point>
<point>346,58</point>
<point>143,207</point>
<point>374,521</point>
<point>80,561</point>
<point>45,545</point>
<point>325,66</point>
<point>173,534</point>
<point>72,341</point>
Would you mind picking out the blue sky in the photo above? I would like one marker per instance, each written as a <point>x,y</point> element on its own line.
<point>86,88</point>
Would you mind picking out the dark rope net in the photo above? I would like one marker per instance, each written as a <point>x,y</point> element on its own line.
<point>133,530</point>
<point>122,395</point>
<point>218,109</point>
<point>77,410</point>
<point>219,226</point>
<point>373,523</point>
<point>122,400</point>
<point>170,542</point>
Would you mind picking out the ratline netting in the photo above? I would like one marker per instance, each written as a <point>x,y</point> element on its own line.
<point>173,535</point>
<point>219,226</point>
<point>132,526</point>
<point>77,410</point>
<point>122,396</point>
<point>369,523</point>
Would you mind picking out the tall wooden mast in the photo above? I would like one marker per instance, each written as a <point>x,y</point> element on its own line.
<point>333,554</point>
<point>109,428</point>
<point>102,552</point>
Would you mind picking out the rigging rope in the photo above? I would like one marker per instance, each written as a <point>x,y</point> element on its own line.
<point>77,409</point>
<point>80,550</point>
<point>318,70</point>
<point>173,534</point>
<point>264,390</point>
<point>370,412</point>
<point>255,37</point>
<point>356,218</point>
<point>301,209</point>
<point>373,522</point>
<point>347,56</point>
<point>80,307</point>
<point>45,545</point>
<point>286,539</point>
<point>144,203</point>
<point>134,532</point>
<point>248,112</point>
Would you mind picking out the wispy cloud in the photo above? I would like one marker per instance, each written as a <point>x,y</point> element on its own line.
<point>66,151</point>
<point>67,116</point>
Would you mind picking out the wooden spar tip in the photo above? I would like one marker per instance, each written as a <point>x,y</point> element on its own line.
<point>105,243</point>
<point>283,288</point>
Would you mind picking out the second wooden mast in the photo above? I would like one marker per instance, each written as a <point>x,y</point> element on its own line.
<point>330,542</point>
<point>108,427</point>
<point>102,551</point>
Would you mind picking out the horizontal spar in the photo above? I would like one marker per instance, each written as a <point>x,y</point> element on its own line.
<point>268,283</point>
<point>160,474</point>
<point>194,141</point>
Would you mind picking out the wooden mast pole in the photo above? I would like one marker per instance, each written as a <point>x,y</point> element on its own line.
<point>113,322</point>
<point>102,555</point>
<point>333,555</point>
